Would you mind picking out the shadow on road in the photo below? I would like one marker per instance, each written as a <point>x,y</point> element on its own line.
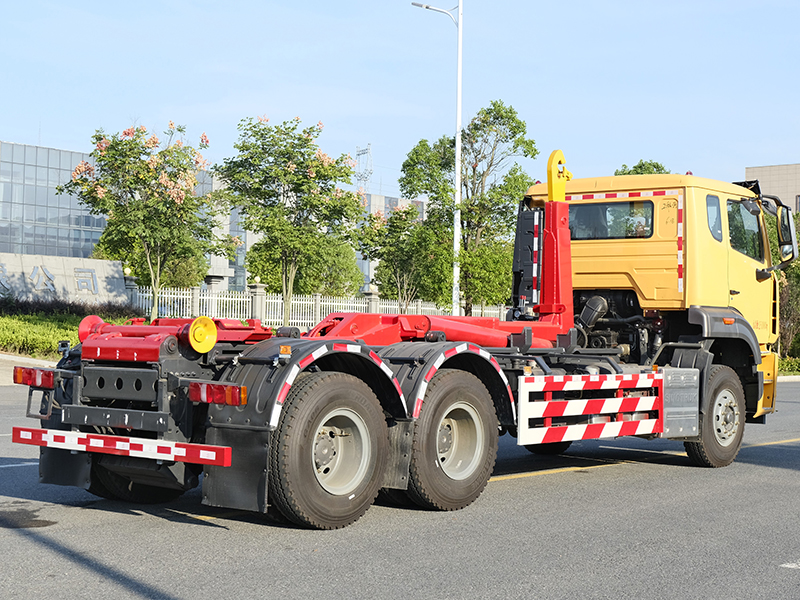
<point>25,525</point>
<point>589,454</point>
<point>780,455</point>
<point>512,461</point>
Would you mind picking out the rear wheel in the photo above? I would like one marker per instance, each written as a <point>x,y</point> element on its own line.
<point>329,451</point>
<point>455,442</point>
<point>108,484</point>
<point>722,424</point>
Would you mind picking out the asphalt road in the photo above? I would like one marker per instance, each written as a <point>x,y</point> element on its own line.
<point>614,519</point>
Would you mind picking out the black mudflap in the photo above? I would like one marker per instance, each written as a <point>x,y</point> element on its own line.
<point>243,485</point>
<point>56,465</point>
<point>62,467</point>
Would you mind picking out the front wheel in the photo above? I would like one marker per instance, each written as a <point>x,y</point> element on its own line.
<point>329,452</point>
<point>455,442</point>
<point>722,424</point>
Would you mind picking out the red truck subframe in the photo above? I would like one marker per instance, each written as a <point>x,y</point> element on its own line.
<point>316,424</point>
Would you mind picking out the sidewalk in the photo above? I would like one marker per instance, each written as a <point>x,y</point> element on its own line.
<point>9,361</point>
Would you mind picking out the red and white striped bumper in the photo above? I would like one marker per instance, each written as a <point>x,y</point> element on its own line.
<point>124,446</point>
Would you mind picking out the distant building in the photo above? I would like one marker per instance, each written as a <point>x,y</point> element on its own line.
<point>384,205</point>
<point>33,219</point>
<point>36,221</point>
<point>782,181</point>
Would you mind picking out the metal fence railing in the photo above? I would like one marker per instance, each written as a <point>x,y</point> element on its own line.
<point>305,312</point>
<point>225,305</point>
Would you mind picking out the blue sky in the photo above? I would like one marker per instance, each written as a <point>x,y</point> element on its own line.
<point>706,86</point>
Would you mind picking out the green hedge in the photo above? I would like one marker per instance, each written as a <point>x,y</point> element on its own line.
<point>788,365</point>
<point>36,327</point>
<point>37,335</point>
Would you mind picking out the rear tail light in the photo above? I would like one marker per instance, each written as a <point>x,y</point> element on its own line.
<point>38,378</point>
<point>218,393</point>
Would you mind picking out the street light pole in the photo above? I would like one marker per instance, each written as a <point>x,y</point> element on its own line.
<point>457,209</point>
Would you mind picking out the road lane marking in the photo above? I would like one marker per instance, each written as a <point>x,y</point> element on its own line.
<point>18,465</point>
<point>554,471</point>
<point>771,443</point>
<point>224,515</point>
<point>792,565</point>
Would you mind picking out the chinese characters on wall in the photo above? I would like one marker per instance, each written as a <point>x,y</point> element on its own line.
<point>41,279</point>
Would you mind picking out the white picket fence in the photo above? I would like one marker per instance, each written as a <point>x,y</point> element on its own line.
<point>306,310</point>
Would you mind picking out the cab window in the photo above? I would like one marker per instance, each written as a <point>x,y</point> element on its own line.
<point>611,220</point>
<point>714,217</point>
<point>744,231</point>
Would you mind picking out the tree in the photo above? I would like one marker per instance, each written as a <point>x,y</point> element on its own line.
<point>643,167</point>
<point>331,271</point>
<point>789,299</point>
<point>788,291</point>
<point>405,249</point>
<point>183,270</point>
<point>491,265</point>
<point>287,190</point>
<point>492,186</point>
<point>145,189</point>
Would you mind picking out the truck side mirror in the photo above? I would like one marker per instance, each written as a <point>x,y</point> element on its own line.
<point>751,206</point>
<point>787,238</point>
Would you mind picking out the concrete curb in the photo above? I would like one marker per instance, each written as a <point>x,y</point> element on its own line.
<point>25,361</point>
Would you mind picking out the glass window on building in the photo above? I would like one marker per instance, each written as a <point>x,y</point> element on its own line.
<point>33,218</point>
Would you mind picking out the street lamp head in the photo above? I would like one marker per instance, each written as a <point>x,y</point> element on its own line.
<point>449,13</point>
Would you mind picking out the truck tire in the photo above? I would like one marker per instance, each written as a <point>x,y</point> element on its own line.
<point>552,449</point>
<point>122,488</point>
<point>329,452</point>
<point>722,424</point>
<point>455,442</point>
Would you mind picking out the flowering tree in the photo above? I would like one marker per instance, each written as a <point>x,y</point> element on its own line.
<point>287,189</point>
<point>145,189</point>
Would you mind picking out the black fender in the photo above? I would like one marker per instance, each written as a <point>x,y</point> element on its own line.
<point>269,375</point>
<point>415,364</point>
<point>711,321</point>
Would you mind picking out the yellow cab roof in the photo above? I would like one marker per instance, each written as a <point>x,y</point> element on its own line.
<point>627,183</point>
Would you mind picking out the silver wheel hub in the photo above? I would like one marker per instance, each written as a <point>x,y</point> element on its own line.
<point>342,451</point>
<point>459,441</point>
<point>324,449</point>
<point>727,418</point>
<point>445,439</point>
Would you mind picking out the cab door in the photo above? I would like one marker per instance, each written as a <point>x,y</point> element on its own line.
<point>747,256</point>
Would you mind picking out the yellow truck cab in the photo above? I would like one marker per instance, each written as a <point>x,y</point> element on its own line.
<point>676,270</point>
